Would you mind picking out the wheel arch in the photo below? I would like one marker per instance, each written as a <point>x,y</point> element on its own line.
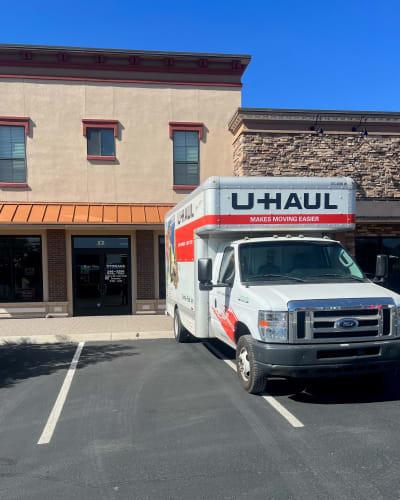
<point>240,330</point>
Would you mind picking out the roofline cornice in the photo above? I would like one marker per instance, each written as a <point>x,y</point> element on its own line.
<point>312,116</point>
<point>97,50</point>
<point>75,60</point>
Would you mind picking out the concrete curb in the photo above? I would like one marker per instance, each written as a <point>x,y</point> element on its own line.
<point>85,337</point>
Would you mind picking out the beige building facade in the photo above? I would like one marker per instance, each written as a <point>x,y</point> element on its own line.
<point>95,146</point>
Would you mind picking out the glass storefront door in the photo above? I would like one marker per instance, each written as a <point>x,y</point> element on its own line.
<point>101,272</point>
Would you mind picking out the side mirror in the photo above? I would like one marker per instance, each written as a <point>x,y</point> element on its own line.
<point>204,274</point>
<point>382,267</point>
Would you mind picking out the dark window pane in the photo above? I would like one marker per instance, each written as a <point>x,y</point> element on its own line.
<point>12,171</point>
<point>179,154</point>
<point>20,268</point>
<point>186,158</point>
<point>227,270</point>
<point>161,266</point>
<point>366,251</point>
<point>27,263</point>
<point>107,142</point>
<point>391,247</point>
<point>186,174</point>
<point>12,154</point>
<point>5,270</point>
<point>12,142</point>
<point>179,139</point>
<point>93,141</point>
<point>192,138</point>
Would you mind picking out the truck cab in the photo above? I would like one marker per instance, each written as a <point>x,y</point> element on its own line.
<point>305,306</point>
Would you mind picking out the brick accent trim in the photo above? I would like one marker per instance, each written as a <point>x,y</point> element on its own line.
<point>57,269</point>
<point>145,264</point>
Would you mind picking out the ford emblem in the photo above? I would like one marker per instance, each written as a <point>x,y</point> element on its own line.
<point>346,323</point>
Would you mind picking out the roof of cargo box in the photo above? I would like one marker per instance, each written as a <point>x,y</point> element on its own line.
<point>253,182</point>
<point>276,182</point>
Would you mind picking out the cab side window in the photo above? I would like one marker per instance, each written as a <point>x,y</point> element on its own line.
<point>227,271</point>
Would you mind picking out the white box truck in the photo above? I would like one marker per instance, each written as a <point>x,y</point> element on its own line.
<point>250,261</point>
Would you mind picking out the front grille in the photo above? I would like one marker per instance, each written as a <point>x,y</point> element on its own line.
<point>320,320</point>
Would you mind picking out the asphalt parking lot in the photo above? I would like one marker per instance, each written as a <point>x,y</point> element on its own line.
<point>151,419</point>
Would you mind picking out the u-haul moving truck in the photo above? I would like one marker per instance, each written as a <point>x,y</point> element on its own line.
<point>249,262</point>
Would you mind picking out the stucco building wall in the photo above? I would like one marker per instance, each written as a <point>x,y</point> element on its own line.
<point>57,167</point>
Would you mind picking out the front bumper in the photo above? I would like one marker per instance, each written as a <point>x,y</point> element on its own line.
<point>327,360</point>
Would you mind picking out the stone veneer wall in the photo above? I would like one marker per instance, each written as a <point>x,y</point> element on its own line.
<point>372,161</point>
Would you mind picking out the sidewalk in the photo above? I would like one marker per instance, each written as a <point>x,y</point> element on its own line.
<point>85,328</point>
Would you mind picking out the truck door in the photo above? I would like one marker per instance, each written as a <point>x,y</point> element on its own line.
<point>223,318</point>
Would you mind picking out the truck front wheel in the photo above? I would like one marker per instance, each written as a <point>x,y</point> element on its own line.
<point>250,372</point>
<point>180,332</point>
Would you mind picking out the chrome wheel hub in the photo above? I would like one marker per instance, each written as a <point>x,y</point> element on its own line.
<point>244,363</point>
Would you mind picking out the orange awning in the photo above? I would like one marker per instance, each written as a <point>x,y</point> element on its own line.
<point>82,213</point>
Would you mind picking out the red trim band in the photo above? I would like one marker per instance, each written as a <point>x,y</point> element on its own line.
<point>185,234</point>
<point>101,158</point>
<point>16,121</point>
<point>100,64</point>
<point>181,187</point>
<point>122,80</point>
<point>13,185</point>
<point>287,219</point>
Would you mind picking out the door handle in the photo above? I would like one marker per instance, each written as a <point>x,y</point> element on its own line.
<point>215,303</point>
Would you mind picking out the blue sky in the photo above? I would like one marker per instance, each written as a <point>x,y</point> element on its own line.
<point>323,54</point>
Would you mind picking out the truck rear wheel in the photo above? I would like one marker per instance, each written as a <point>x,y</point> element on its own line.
<point>180,332</point>
<point>250,372</point>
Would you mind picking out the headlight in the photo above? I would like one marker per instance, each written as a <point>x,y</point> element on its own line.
<point>273,326</point>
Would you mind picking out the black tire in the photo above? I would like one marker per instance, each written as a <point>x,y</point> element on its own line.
<point>180,332</point>
<point>251,374</point>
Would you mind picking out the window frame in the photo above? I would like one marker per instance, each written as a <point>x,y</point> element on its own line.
<point>11,253</point>
<point>100,124</point>
<point>186,127</point>
<point>16,121</point>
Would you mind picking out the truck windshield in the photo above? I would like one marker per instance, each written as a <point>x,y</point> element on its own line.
<point>297,261</point>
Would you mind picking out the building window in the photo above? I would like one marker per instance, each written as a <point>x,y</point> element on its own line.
<point>100,142</point>
<point>186,158</point>
<point>12,154</point>
<point>186,137</point>
<point>100,136</point>
<point>21,269</point>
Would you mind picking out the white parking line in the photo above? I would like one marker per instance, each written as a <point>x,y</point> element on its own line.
<point>48,430</point>
<point>293,421</point>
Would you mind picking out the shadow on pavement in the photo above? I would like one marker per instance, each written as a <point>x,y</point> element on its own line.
<point>377,387</point>
<point>372,388</point>
<point>23,361</point>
